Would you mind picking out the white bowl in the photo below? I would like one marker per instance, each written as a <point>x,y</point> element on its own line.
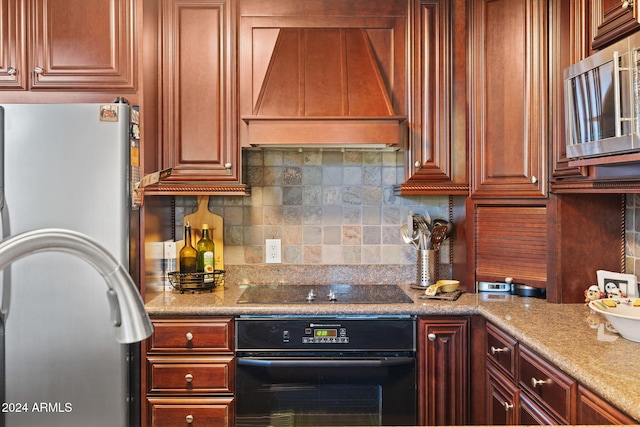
<point>622,313</point>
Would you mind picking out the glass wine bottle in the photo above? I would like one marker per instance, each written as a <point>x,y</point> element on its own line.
<point>205,254</point>
<point>187,253</point>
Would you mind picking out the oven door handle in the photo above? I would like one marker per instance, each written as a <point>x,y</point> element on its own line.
<point>325,363</point>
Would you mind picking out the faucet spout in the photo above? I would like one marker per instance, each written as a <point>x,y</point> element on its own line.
<point>133,323</point>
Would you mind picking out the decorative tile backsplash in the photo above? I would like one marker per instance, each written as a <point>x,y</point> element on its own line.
<point>333,208</point>
<point>328,207</point>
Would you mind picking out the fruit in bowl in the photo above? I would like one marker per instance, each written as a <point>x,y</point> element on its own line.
<point>622,313</point>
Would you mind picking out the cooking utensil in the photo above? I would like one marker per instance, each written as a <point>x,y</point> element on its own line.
<point>423,230</point>
<point>438,234</point>
<point>439,221</point>
<point>422,213</point>
<point>407,235</point>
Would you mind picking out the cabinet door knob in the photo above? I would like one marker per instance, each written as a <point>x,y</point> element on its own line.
<point>417,164</point>
<point>535,382</point>
<point>188,378</point>
<point>534,179</point>
<point>38,70</point>
<point>11,71</point>
<point>189,419</point>
<point>431,337</point>
<point>495,350</point>
<point>507,406</point>
<point>189,336</point>
<point>227,165</point>
<point>626,4</point>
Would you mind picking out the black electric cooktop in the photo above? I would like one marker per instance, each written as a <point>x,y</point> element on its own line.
<point>323,294</point>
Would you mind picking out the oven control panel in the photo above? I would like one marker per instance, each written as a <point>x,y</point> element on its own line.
<point>260,334</point>
<point>325,334</point>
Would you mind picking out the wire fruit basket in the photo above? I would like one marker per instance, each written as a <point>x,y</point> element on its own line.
<point>196,282</point>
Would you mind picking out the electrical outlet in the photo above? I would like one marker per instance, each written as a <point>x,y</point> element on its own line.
<point>273,251</point>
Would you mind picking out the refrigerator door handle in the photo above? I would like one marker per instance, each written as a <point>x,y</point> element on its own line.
<point>5,275</point>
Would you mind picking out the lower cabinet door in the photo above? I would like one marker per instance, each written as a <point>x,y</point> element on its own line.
<point>532,414</point>
<point>594,410</point>
<point>503,399</point>
<point>211,412</point>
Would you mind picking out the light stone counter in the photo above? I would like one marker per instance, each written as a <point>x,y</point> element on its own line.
<point>568,335</point>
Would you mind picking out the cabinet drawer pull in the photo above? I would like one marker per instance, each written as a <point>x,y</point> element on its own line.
<point>507,406</point>
<point>189,419</point>
<point>535,382</point>
<point>495,350</point>
<point>189,336</point>
<point>431,337</point>
<point>188,378</point>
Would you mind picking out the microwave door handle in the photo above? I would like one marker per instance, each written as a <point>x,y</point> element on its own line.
<point>616,93</point>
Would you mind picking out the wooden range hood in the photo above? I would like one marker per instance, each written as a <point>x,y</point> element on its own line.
<point>323,87</point>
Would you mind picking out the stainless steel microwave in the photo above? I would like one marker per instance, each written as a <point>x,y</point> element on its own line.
<point>602,101</point>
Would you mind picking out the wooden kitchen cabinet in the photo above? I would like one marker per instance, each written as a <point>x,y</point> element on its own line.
<point>436,161</point>
<point>592,410</point>
<point>188,375</point>
<point>512,396</point>
<point>68,45</point>
<point>503,399</point>
<point>443,371</point>
<point>509,240</point>
<point>508,84</point>
<point>592,24</point>
<point>523,388</point>
<point>548,387</point>
<point>198,99</point>
<point>611,20</point>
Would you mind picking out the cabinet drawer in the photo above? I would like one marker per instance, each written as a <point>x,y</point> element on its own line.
<point>548,384</point>
<point>190,374</point>
<point>167,412</point>
<point>501,349</point>
<point>191,335</point>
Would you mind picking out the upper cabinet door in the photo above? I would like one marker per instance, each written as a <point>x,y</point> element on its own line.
<point>80,44</point>
<point>436,161</point>
<point>13,57</point>
<point>611,20</point>
<point>198,92</point>
<point>508,102</point>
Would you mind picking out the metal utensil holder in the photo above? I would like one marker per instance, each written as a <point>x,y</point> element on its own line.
<point>428,266</point>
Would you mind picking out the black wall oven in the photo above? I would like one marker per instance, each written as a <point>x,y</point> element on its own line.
<point>326,371</point>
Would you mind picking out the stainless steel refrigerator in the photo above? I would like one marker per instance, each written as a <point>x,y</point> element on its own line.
<point>67,166</point>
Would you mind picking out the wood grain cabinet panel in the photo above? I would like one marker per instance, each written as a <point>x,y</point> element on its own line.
<point>503,398</point>
<point>68,45</point>
<point>167,412</point>
<point>593,410</point>
<point>553,389</point>
<point>188,375</point>
<point>191,335</point>
<point>198,97</point>
<point>611,20</point>
<point>13,49</point>
<point>443,371</point>
<point>502,350</point>
<point>508,93</point>
<point>209,374</point>
<point>437,157</point>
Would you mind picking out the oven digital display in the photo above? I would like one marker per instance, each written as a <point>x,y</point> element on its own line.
<point>325,333</point>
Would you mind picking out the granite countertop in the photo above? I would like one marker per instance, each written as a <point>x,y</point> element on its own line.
<point>568,335</point>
